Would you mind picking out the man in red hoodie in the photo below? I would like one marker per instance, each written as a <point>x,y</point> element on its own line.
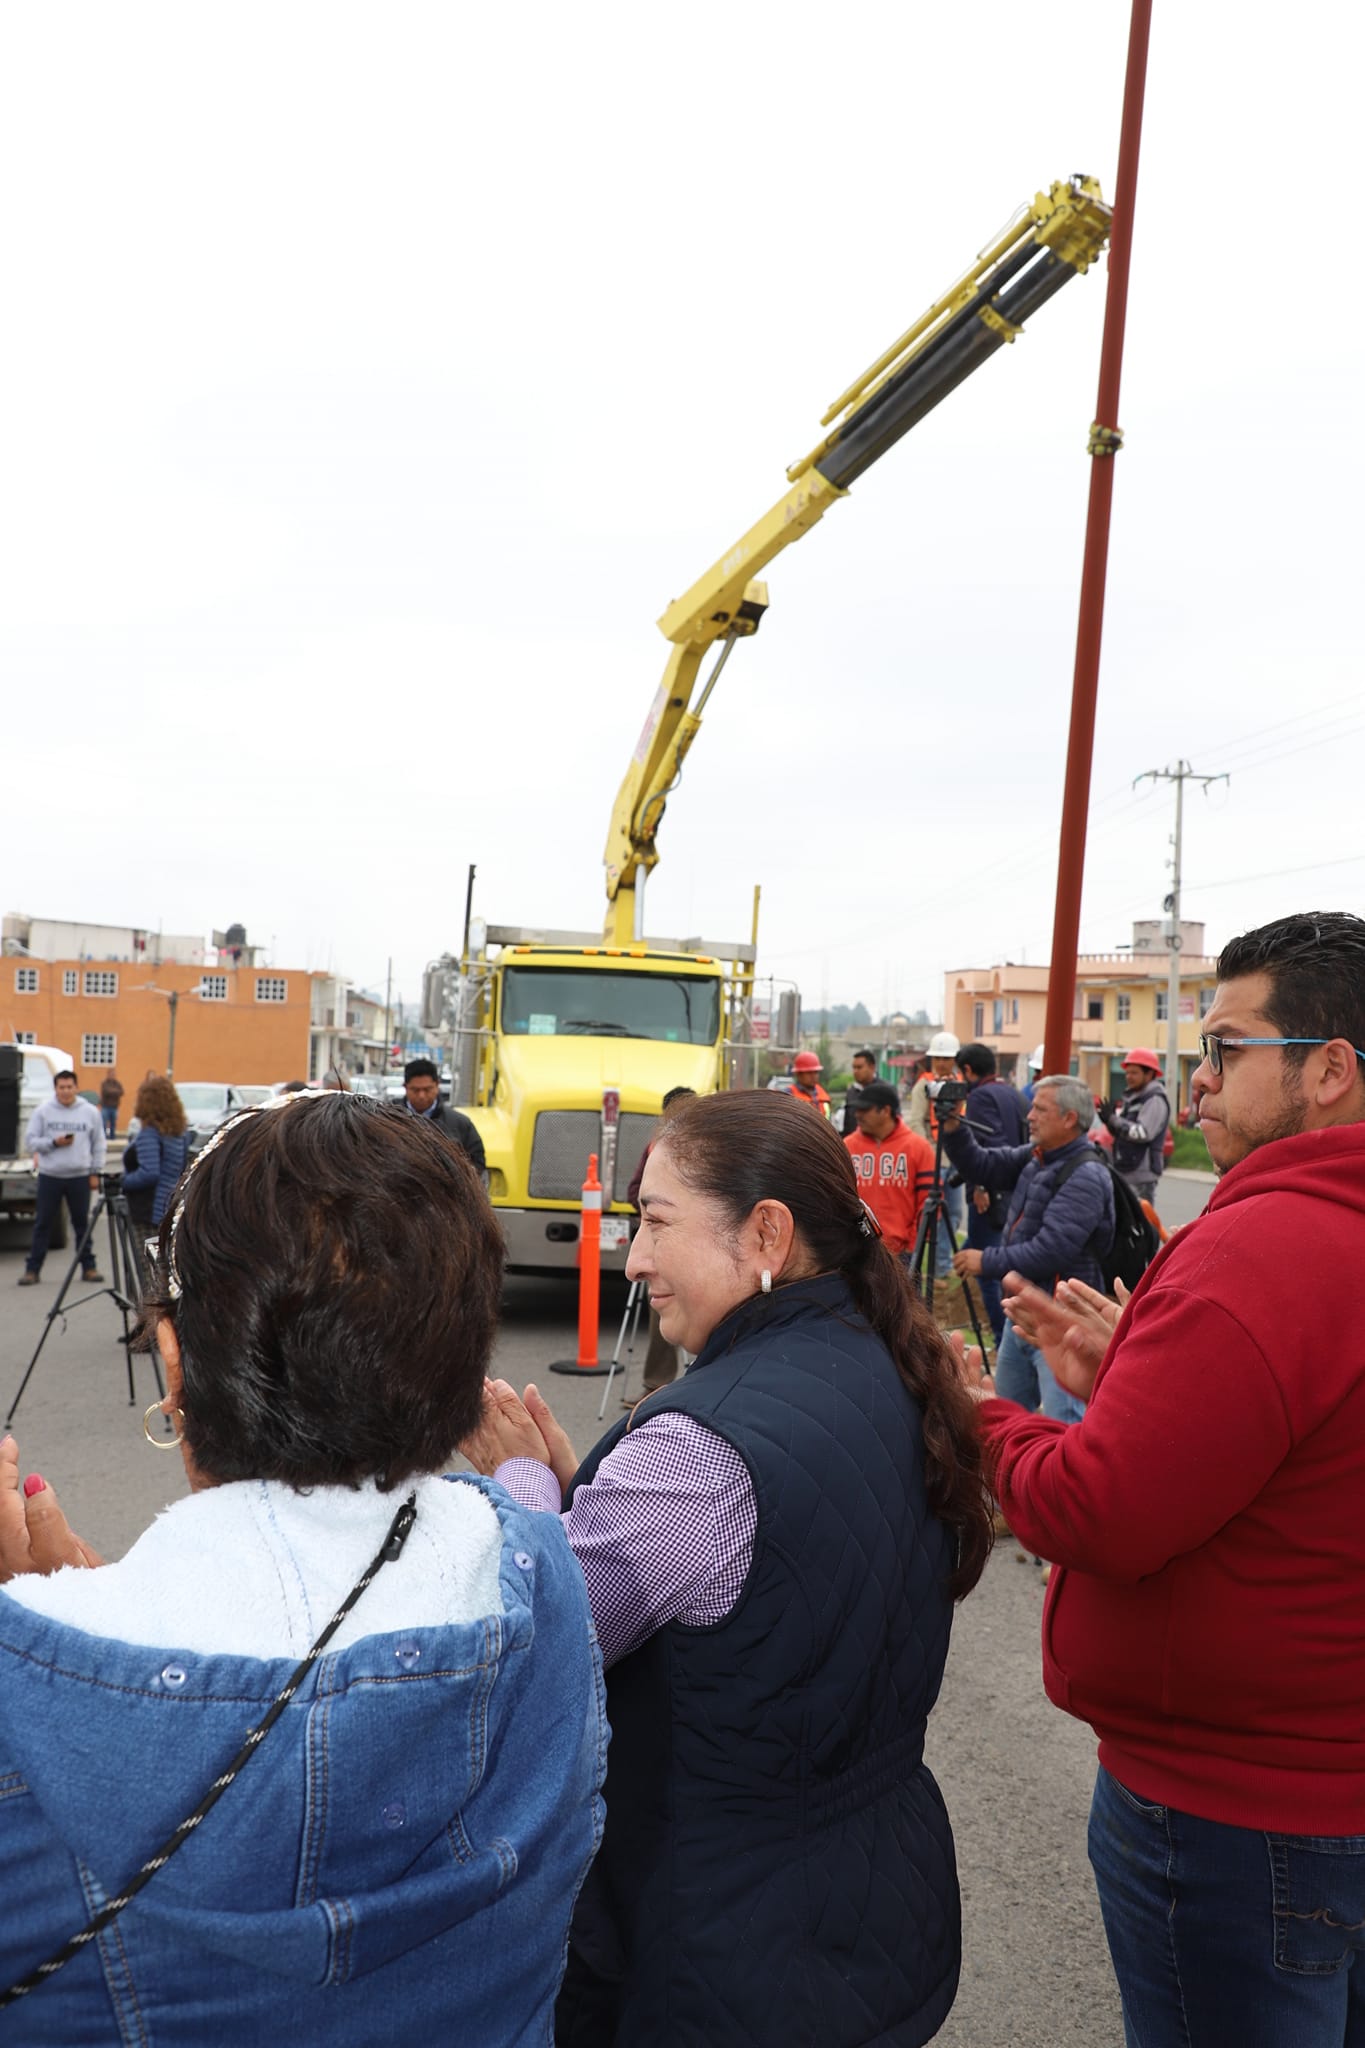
<point>1207,1518</point>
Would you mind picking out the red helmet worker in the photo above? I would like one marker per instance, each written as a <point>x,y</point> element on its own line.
<point>806,1067</point>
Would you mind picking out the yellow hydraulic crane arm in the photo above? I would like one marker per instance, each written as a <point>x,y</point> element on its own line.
<point>1056,238</point>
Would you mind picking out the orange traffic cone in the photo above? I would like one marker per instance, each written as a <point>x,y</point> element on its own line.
<point>589,1281</point>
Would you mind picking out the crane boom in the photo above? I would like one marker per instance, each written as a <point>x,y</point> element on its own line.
<point>1056,238</point>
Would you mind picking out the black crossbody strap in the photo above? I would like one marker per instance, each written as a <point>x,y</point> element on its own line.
<point>388,1552</point>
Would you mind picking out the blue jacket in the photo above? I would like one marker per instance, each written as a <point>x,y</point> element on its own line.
<point>396,1862</point>
<point>777,1867</point>
<point>160,1163</point>
<point>1047,1236</point>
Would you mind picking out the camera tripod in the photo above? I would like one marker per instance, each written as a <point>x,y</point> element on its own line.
<point>635,1305</point>
<point>124,1285</point>
<point>924,1257</point>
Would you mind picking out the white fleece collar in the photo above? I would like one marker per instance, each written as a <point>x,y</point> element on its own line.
<point>257,1570</point>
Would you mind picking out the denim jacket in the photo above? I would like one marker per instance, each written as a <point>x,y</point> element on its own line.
<point>397,1861</point>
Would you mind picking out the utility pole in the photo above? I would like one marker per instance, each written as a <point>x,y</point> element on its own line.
<point>1179,775</point>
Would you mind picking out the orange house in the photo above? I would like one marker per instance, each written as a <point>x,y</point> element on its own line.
<point>229,1023</point>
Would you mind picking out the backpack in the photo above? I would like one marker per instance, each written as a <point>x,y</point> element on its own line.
<point>1135,1242</point>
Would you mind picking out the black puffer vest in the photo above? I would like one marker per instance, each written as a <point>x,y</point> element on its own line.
<point>777,1866</point>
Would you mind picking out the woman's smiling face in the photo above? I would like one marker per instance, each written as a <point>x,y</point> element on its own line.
<point>685,1250</point>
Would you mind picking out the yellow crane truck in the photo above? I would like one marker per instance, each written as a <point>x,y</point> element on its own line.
<point>563,1043</point>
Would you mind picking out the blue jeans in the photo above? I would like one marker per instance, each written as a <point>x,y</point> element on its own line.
<point>980,1237</point>
<point>109,1118</point>
<point>1222,1934</point>
<point>1022,1374</point>
<point>53,1190</point>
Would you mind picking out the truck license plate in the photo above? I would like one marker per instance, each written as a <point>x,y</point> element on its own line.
<point>615,1233</point>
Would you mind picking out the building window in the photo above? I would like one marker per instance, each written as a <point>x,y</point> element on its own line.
<point>100,982</point>
<point>213,988</point>
<point>1094,1008</point>
<point>997,1018</point>
<point>1206,996</point>
<point>97,1049</point>
<point>1125,1009</point>
<point>271,988</point>
<point>978,1019</point>
<point>1163,1005</point>
<point>1014,1010</point>
<point>70,981</point>
<point>25,1038</point>
<point>26,981</point>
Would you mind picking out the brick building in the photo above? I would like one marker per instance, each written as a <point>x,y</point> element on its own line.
<point>232,1023</point>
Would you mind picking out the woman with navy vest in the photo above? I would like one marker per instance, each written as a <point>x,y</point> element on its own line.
<point>772,1548</point>
<point>159,1152</point>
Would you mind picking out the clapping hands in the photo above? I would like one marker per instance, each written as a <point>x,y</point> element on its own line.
<point>1071,1328</point>
<point>518,1428</point>
<point>35,1535</point>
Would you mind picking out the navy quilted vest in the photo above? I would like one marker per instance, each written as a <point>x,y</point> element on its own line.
<point>777,1865</point>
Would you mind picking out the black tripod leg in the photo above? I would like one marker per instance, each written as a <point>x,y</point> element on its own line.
<point>56,1309</point>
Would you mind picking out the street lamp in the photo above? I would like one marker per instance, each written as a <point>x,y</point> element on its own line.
<point>172,995</point>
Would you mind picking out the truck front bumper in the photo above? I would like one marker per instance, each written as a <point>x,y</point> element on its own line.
<point>546,1241</point>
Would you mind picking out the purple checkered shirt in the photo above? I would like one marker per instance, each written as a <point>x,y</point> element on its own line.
<point>665,1531</point>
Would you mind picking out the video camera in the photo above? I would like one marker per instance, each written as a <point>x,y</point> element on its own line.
<point>947,1096</point>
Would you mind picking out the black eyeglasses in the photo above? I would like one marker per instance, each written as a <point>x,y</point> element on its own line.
<point>1213,1048</point>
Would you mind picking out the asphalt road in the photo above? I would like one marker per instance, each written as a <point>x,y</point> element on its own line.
<point>1016,1773</point>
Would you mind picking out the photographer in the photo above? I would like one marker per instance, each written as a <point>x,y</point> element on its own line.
<point>1060,1218</point>
<point>66,1137</point>
<point>1139,1123</point>
<point>999,1117</point>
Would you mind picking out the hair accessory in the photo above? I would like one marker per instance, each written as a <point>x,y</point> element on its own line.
<point>867,1222</point>
<point>173,1287</point>
<point>163,1443</point>
<point>765,1282</point>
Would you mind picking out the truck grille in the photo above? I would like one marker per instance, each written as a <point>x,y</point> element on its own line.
<point>565,1137</point>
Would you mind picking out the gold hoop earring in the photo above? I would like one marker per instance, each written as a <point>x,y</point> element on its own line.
<point>163,1443</point>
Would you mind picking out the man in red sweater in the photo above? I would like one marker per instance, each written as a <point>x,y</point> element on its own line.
<point>894,1165</point>
<point>1207,1522</point>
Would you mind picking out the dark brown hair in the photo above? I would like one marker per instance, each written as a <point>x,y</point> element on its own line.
<point>758,1145</point>
<point>1315,963</point>
<point>158,1104</point>
<point>340,1270</point>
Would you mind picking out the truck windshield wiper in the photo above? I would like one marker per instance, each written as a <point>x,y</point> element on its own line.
<point>598,1027</point>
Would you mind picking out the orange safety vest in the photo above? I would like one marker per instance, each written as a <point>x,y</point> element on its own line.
<point>815,1095</point>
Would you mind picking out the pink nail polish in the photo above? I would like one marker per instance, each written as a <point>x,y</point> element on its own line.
<point>35,1483</point>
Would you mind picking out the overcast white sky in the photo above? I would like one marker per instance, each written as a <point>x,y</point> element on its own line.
<point>374,377</point>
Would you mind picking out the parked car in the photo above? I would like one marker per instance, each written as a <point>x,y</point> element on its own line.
<point>373,1085</point>
<point>210,1103</point>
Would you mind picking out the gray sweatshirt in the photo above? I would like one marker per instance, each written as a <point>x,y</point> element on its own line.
<point>66,1162</point>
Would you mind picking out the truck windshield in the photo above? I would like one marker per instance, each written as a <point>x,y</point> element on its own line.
<point>555,1002</point>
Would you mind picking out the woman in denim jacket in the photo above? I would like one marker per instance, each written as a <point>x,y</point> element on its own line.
<point>401,1854</point>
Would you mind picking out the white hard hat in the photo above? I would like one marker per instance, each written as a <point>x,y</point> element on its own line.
<point>1035,1060</point>
<point>943,1046</point>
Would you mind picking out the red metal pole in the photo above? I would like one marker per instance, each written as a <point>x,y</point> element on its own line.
<point>1104,441</point>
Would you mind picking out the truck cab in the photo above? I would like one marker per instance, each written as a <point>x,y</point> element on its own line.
<point>567,1048</point>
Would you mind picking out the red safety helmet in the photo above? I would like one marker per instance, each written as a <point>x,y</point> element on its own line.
<point>806,1063</point>
<point>1141,1056</point>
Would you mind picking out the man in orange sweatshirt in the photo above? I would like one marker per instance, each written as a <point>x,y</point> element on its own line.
<point>894,1165</point>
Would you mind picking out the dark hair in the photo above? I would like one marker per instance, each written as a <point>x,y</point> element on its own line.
<point>979,1058</point>
<point>421,1070</point>
<point>340,1270</point>
<point>754,1145</point>
<point>1315,962</point>
<point>865,1052</point>
<point>879,1095</point>
<point>65,1075</point>
<point>158,1104</point>
<point>676,1095</point>
<point>294,1088</point>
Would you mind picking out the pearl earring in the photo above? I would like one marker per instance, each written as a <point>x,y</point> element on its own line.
<point>765,1281</point>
